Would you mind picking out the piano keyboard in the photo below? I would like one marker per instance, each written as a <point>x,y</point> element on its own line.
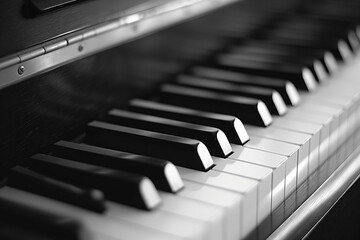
<point>226,150</point>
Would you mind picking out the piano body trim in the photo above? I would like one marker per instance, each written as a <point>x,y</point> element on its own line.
<point>63,50</point>
<point>310,213</point>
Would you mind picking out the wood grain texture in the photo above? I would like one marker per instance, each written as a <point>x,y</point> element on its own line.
<point>19,32</point>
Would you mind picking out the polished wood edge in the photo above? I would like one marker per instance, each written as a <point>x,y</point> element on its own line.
<point>57,52</point>
<point>321,201</point>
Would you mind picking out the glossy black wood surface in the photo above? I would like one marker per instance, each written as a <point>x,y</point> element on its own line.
<point>20,31</point>
<point>342,222</point>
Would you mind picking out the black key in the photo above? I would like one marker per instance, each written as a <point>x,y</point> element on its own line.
<point>270,97</point>
<point>309,48</point>
<point>123,187</point>
<point>275,54</point>
<point>230,125</point>
<point>284,87</point>
<point>3,181</point>
<point>265,48</point>
<point>19,221</point>
<point>31,181</point>
<point>290,54</point>
<point>281,58</point>
<point>301,77</point>
<point>11,231</point>
<point>181,151</point>
<point>310,41</point>
<point>249,110</point>
<point>214,139</point>
<point>161,172</point>
<point>282,51</point>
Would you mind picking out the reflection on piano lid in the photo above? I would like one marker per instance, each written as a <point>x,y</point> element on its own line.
<point>240,124</point>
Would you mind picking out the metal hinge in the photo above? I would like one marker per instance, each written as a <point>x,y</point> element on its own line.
<point>50,55</point>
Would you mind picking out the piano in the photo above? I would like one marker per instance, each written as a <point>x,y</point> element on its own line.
<point>181,119</point>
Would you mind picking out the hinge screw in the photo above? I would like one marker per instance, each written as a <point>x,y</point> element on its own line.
<point>21,70</point>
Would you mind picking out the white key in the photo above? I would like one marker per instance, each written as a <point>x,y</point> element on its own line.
<point>264,177</point>
<point>342,96</point>
<point>100,226</point>
<point>270,160</point>
<point>304,127</point>
<point>339,98</point>
<point>278,164</point>
<point>324,120</point>
<point>308,128</point>
<point>212,215</point>
<point>353,91</point>
<point>347,97</point>
<point>335,133</point>
<point>159,220</point>
<point>285,149</point>
<point>334,125</point>
<point>300,139</point>
<point>343,105</point>
<point>340,107</point>
<point>339,102</point>
<point>291,152</point>
<point>246,187</point>
<point>347,92</point>
<point>230,202</point>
